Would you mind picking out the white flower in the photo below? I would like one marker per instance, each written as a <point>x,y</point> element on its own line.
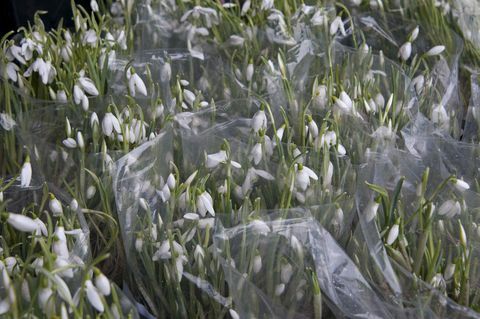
<point>93,296</point>
<point>463,235</point>
<point>5,306</point>
<point>88,85</point>
<point>205,204</point>
<point>7,122</point>
<point>303,176</point>
<point>59,245</point>
<point>109,124</point>
<point>103,284</point>
<point>55,206</point>
<point>90,38</point>
<point>236,40</point>
<point>438,281</point>
<point>259,121</point>
<point>449,209</point>
<point>233,314</point>
<point>256,153</point>
<point>257,264</point>
<point>436,50</point>
<point>414,34</point>
<point>214,159</point>
<point>61,262</point>
<point>449,271</point>
<point>251,177</point>
<point>12,70</point>
<point>336,24</point>
<point>45,299</point>
<point>94,5</point>
<point>405,51</point>
<point>392,234</point>
<point>267,4</point>
<point>78,94</point>
<point>440,116</point>
<point>371,210</point>
<point>61,96</point>
<point>286,273</point>
<point>249,72</point>
<point>327,177</point>
<point>26,174</point>
<point>318,18</point>
<point>166,72</point>
<point>135,83</point>
<point>22,223</point>
<point>69,142</point>
<point>245,7</point>
<point>94,120</point>
<point>312,128</point>
<point>191,216</point>
<point>189,97</point>
<point>418,82</point>
<point>461,185</point>
<point>259,227</point>
<point>279,289</point>
<point>344,102</point>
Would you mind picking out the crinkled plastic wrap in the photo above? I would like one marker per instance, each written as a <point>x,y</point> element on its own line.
<point>436,81</point>
<point>383,259</point>
<point>286,265</point>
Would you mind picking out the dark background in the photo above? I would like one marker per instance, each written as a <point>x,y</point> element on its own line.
<point>17,13</point>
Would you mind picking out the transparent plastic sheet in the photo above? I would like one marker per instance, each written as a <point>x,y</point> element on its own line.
<point>443,154</point>
<point>467,16</point>
<point>471,132</point>
<point>385,265</point>
<point>440,83</point>
<point>299,260</point>
<point>141,182</point>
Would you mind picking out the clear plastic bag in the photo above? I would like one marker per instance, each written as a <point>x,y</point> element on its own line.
<point>412,264</point>
<point>286,265</point>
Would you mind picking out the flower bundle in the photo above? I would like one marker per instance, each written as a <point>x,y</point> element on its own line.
<point>241,159</point>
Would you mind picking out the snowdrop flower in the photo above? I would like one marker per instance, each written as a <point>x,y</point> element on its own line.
<point>103,284</point>
<point>189,97</point>
<point>245,7</point>
<point>286,273</point>
<point>93,296</point>
<point>449,209</point>
<point>94,5</point>
<point>236,40</point>
<point>45,300</point>
<point>55,206</point>
<point>233,314</point>
<point>344,103</point>
<point>61,96</point>
<point>59,246</point>
<point>61,262</point>
<point>440,116</point>
<point>438,282</point>
<point>191,216</point>
<point>70,143</point>
<point>12,71</point>
<point>7,122</point>
<point>279,289</point>
<point>371,210</point>
<point>405,51</point>
<point>414,34</point>
<point>257,264</point>
<point>205,204</point>
<point>461,185</point>
<point>336,24</point>
<point>91,190</point>
<point>90,38</point>
<point>26,173</point>
<point>213,160</point>
<point>418,82</point>
<point>256,153</point>
<point>166,72</point>
<point>463,235</point>
<point>303,175</point>
<point>320,96</point>
<point>78,94</point>
<point>22,223</point>
<point>312,127</point>
<point>135,83</point>
<point>259,121</point>
<point>259,227</point>
<point>318,18</point>
<point>94,121</point>
<point>249,72</point>
<point>327,177</point>
<point>252,176</point>
<point>110,124</point>
<point>392,234</point>
<point>436,50</point>
<point>87,84</point>
<point>449,271</point>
